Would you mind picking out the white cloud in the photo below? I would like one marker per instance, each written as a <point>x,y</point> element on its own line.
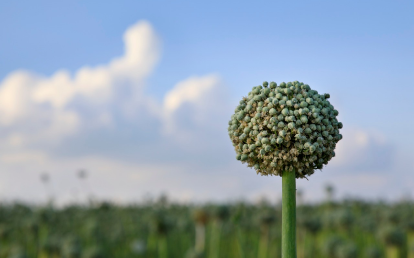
<point>15,96</point>
<point>47,103</point>
<point>101,119</point>
<point>197,94</point>
<point>100,116</point>
<point>363,151</point>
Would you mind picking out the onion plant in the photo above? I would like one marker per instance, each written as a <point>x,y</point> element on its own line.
<point>286,130</point>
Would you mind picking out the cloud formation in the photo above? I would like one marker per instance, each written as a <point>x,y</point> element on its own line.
<point>103,113</point>
<point>363,151</point>
<point>101,119</point>
<point>45,109</point>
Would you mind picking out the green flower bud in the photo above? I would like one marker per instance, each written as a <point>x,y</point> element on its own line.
<point>252,147</point>
<point>265,140</point>
<point>288,91</point>
<point>304,119</point>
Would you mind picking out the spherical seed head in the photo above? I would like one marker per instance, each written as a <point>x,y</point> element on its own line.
<point>285,127</point>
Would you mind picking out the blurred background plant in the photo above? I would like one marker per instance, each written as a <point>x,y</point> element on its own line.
<point>160,228</point>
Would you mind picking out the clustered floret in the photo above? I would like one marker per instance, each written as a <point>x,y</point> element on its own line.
<point>285,128</point>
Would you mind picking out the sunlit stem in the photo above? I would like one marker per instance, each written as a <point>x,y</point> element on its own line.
<point>289,214</point>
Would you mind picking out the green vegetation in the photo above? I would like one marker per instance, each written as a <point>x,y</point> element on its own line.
<point>351,228</point>
<point>286,130</point>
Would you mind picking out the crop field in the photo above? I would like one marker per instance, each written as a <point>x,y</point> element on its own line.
<point>350,228</point>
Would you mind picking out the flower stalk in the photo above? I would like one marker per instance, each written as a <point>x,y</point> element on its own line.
<point>289,214</point>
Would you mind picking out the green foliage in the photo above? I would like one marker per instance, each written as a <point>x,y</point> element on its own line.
<point>392,236</point>
<point>285,127</point>
<point>350,228</point>
<point>373,252</point>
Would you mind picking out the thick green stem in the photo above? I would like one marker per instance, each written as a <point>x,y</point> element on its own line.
<point>392,252</point>
<point>410,244</point>
<point>200,238</point>
<point>264,242</point>
<point>215,240</point>
<point>288,214</point>
<point>162,247</point>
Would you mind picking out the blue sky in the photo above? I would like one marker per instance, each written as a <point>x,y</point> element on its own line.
<point>359,51</point>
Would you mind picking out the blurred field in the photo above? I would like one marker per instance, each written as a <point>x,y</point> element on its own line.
<point>350,228</point>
